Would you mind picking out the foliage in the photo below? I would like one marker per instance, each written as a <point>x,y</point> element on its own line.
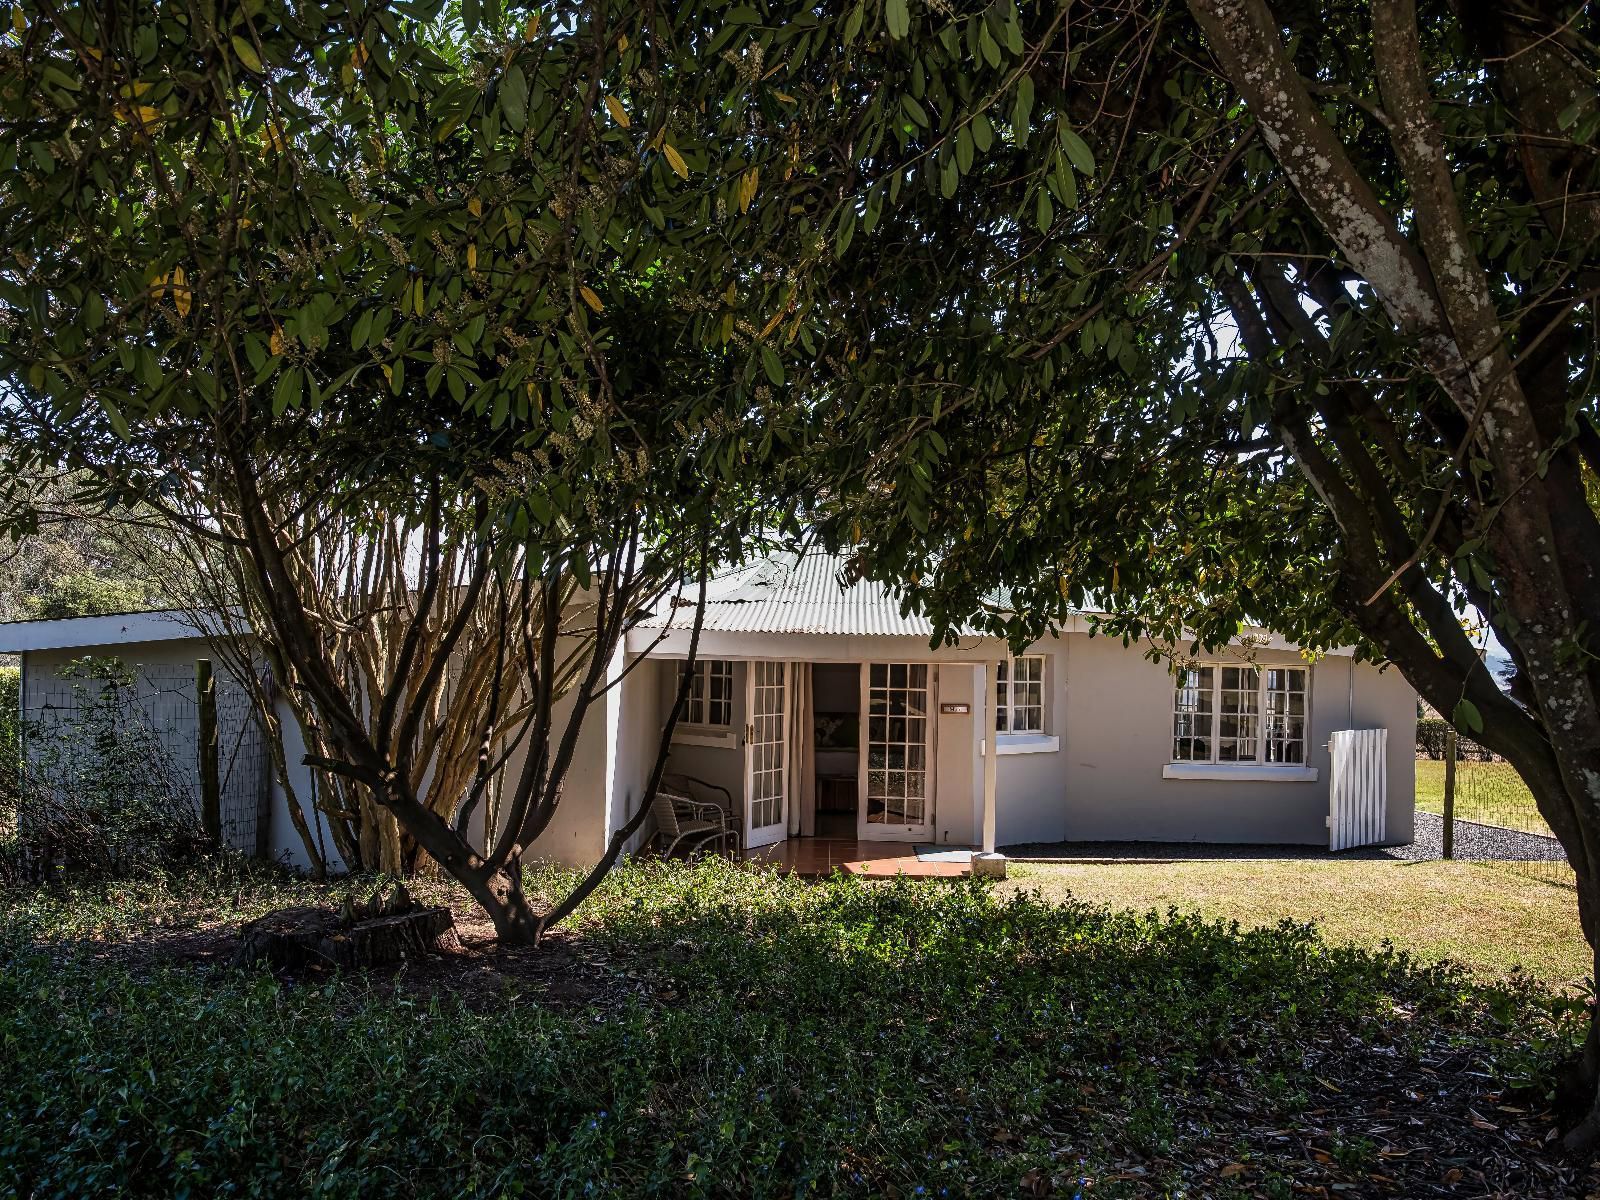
<point>73,562</point>
<point>1221,315</point>
<point>99,797</point>
<point>85,595</point>
<point>10,730</point>
<point>1431,733</point>
<point>757,1036</point>
<point>499,303</point>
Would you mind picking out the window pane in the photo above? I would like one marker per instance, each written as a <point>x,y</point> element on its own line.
<point>1238,709</point>
<point>1192,714</point>
<point>1285,728</point>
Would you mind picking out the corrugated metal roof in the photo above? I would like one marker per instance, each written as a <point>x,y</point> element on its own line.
<point>790,593</point>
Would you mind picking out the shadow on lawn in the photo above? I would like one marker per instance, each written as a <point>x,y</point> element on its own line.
<point>754,1035</point>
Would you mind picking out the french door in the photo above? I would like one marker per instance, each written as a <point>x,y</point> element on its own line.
<point>895,778</point>
<point>766,754</point>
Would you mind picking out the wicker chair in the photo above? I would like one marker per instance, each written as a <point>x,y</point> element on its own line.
<point>692,824</point>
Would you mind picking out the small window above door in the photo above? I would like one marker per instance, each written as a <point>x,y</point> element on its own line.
<point>708,711</point>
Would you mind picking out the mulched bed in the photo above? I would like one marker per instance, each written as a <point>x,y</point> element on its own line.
<point>564,970</point>
<point>1382,1123</point>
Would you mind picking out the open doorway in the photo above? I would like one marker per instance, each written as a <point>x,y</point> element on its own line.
<point>836,707</point>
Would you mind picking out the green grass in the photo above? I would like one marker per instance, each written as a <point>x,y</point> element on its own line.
<point>758,1036</point>
<point>1491,792</point>
<point>1493,921</point>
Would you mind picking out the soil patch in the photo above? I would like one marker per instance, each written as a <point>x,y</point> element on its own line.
<point>566,970</point>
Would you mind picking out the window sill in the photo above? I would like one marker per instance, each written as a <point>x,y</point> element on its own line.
<point>1241,772</point>
<point>1022,743</point>
<point>704,735</point>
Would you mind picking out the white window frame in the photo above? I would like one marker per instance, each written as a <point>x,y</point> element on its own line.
<point>697,705</point>
<point>1006,704</point>
<point>1261,717</point>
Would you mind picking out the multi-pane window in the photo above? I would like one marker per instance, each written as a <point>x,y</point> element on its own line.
<point>1019,695</point>
<point>710,699</point>
<point>1226,713</point>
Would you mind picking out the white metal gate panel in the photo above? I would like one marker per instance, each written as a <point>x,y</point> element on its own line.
<point>1358,789</point>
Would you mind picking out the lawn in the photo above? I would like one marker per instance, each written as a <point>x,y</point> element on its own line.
<point>715,1031</point>
<point>1491,792</point>
<point>1494,921</point>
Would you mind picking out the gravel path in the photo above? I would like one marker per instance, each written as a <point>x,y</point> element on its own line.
<point>1473,842</point>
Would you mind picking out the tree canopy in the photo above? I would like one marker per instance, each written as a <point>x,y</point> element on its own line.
<point>1200,314</point>
<point>1235,313</point>
<point>500,299</point>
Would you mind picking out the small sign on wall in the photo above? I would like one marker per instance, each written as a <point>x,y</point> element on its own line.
<point>956,709</point>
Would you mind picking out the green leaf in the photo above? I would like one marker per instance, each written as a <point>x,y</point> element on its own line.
<point>982,133</point>
<point>1077,150</point>
<point>847,230</point>
<point>1069,187</point>
<point>852,23</point>
<point>1014,42</point>
<point>1467,716</point>
<point>964,150</point>
<point>114,415</point>
<point>915,111</point>
<point>1022,110</point>
<point>287,393</point>
<point>898,18</point>
<point>772,365</point>
<point>989,47</point>
<point>514,97</point>
<point>1044,211</point>
<point>247,55</point>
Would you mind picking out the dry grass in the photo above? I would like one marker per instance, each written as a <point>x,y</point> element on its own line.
<point>1491,920</point>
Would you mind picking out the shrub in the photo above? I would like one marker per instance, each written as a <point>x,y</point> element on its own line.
<point>1431,733</point>
<point>751,1036</point>
<point>98,796</point>
<point>10,730</point>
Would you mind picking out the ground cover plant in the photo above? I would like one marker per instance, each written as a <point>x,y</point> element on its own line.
<point>740,1034</point>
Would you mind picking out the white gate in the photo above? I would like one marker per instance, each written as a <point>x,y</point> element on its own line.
<point>1358,788</point>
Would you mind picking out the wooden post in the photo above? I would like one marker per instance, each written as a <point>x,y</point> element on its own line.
<point>1449,793</point>
<point>205,688</point>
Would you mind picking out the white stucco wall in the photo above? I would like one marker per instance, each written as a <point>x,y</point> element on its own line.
<point>1108,708</point>
<point>1117,738</point>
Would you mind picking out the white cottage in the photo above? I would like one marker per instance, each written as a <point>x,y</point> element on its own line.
<point>818,710</point>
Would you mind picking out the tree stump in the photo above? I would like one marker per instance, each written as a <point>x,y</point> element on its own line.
<point>296,938</point>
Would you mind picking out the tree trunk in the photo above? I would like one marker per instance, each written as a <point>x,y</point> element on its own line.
<point>501,896</point>
<point>295,938</point>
